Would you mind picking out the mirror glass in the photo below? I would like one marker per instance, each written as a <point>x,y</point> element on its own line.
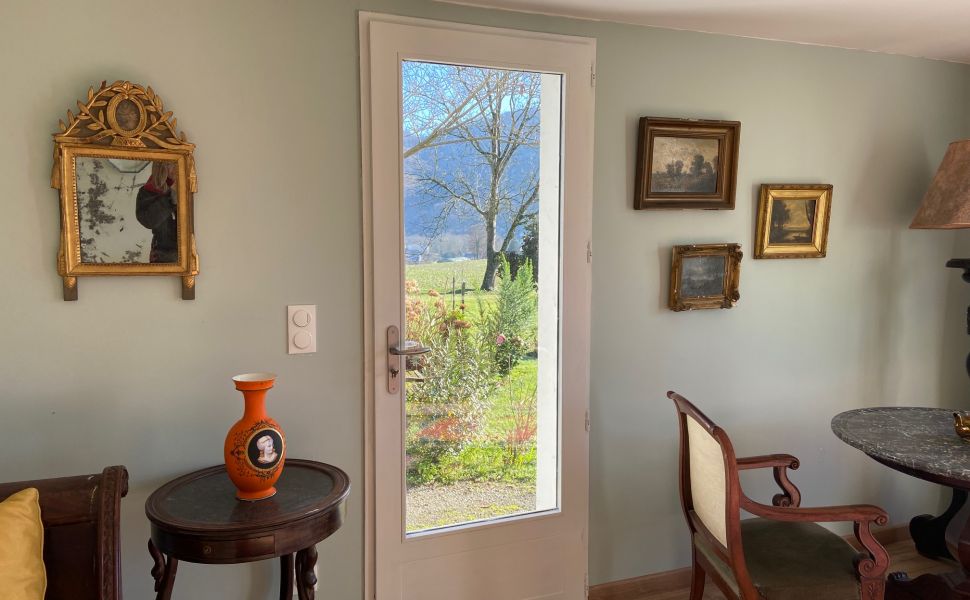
<point>127,210</point>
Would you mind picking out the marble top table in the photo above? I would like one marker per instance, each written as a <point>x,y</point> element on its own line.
<point>917,441</point>
<point>923,443</point>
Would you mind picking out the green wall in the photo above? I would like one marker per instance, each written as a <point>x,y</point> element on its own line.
<point>269,93</point>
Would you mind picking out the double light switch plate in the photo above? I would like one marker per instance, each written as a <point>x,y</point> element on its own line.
<point>301,328</point>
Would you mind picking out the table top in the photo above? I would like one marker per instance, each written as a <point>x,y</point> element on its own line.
<point>205,501</point>
<point>915,440</point>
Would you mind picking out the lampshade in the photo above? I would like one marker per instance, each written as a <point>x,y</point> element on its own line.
<point>946,204</point>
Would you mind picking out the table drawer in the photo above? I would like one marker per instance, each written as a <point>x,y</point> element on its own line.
<point>216,551</point>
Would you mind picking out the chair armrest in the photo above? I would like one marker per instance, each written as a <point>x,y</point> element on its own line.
<point>852,513</point>
<point>779,463</point>
<point>871,565</point>
<point>767,460</point>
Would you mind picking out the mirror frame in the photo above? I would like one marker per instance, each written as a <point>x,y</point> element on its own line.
<point>96,132</point>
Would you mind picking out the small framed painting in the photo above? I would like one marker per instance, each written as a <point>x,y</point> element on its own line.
<point>705,276</point>
<point>793,221</point>
<point>686,163</point>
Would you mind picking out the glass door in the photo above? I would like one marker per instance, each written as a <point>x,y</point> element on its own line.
<point>481,163</point>
<point>478,172</point>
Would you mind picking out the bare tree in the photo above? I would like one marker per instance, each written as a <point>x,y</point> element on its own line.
<point>431,108</point>
<point>486,116</point>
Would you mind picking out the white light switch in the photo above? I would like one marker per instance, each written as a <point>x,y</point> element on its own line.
<point>301,328</point>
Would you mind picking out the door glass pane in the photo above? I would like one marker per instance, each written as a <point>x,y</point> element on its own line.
<point>481,165</point>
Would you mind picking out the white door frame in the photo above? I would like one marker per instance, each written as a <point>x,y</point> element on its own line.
<point>576,226</point>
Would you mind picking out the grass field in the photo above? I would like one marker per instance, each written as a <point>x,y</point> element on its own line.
<point>478,482</point>
<point>438,277</point>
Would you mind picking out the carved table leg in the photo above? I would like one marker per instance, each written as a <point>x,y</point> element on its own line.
<point>163,572</point>
<point>901,587</point>
<point>931,532</point>
<point>306,579</point>
<point>928,532</point>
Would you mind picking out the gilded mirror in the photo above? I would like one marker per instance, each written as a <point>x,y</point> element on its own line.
<point>126,182</point>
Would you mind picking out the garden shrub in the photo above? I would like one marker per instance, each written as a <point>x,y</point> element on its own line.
<point>447,439</point>
<point>511,320</point>
<point>447,410</point>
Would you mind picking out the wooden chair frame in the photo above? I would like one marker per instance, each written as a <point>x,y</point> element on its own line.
<point>82,532</point>
<point>870,565</point>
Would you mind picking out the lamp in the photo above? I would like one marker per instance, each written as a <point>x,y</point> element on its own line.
<point>946,204</point>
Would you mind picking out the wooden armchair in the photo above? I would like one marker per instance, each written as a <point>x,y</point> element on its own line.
<point>82,547</point>
<point>781,555</point>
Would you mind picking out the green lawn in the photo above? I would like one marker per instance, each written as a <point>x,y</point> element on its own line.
<point>521,381</point>
<point>514,394</point>
<point>438,277</point>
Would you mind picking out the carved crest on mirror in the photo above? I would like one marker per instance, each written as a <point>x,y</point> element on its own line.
<point>127,180</point>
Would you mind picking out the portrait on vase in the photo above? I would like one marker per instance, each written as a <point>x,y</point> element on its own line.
<point>265,448</point>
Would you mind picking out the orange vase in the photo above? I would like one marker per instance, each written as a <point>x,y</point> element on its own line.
<point>255,446</point>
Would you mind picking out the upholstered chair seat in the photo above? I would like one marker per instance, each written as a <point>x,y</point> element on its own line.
<point>791,561</point>
<point>783,553</point>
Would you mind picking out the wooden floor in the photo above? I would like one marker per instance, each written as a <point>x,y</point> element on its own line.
<point>904,558</point>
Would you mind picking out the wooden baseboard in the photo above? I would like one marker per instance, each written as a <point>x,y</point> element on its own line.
<point>678,579</point>
<point>637,587</point>
<point>884,535</point>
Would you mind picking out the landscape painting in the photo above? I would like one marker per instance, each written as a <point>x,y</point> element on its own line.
<point>793,221</point>
<point>686,163</point>
<point>704,276</point>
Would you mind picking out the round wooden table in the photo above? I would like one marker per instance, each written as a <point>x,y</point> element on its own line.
<point>197,518</point>
<point>921,442</point>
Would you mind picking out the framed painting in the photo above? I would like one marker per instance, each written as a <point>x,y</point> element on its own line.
<point>793,221</point>
<point>705,276</point>
<point>686,163</point>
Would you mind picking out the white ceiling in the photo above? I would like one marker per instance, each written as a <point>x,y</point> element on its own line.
<point>937,29</point>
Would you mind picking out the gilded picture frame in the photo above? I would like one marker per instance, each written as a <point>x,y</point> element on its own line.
<point>125,176</point>
<point>793,221</point>
<point>705,276</point>
<point>686,163</point>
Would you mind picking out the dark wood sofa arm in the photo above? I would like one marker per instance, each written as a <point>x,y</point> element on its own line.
<point>779,463</point>
<point>82,532</point>
<point>871,565</point>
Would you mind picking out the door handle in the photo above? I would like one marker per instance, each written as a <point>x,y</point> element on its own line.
<point>411,348</point>
<point>395,350</point>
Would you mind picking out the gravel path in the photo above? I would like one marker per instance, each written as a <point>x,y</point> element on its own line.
<point>440,505</point>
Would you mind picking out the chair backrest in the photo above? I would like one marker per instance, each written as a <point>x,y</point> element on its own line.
<point>710,490</point>
<point>82,525</point>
